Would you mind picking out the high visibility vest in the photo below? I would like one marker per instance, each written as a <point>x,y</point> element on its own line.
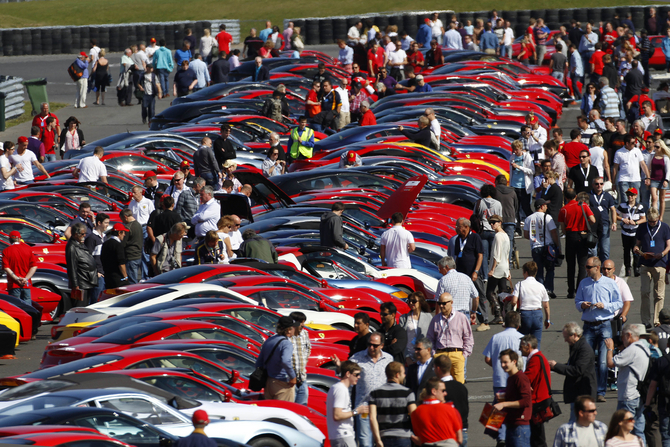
<point>297,148</point>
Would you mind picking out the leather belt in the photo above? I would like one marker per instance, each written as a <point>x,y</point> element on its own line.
<point>449,350</point>
<point>596,323</point>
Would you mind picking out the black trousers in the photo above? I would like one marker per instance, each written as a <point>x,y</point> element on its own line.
<point>628,245</point>
<point>524,204</point>
<point>576,255</point>
<point>537,438</point>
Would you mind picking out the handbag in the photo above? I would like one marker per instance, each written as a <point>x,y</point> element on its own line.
<point>591,239</point>
<point>547,409</point>
<point>476,221</point>
<point>75,71</point>
<point>551,252</point>
<point>259,377</point>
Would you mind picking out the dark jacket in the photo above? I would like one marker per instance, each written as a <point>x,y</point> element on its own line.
<point>263,74</point>
<point>205,162</point>
<point>358,343</point>
<point>330,230</point>
<point>554,195</point>
<point>112,256</point>
<point>224,150</point>
<point>134,241</point>
<point>457,394</point>
<point>220,71</point>
<point>280,148</point>
<point>634,82</point>
<point>421,136</point>
<point>63,135</point>
<point>509,201</point>
<point>259,248</point>
<point>82,270</point>
<point>411,381</point>
<point>579,372</point>
<point>397,349</point>
<point>164,221</point>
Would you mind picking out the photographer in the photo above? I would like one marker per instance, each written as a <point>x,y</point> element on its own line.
<point>272,165</point>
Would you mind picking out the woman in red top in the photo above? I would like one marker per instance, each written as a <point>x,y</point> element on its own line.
<point>266,51</point>
<point>527,50</point>
<point>539,375</point>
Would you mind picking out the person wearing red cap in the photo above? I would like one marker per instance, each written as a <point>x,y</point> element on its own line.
<point>425,34</point>
<point>631,214</point>
<point>350,159</point>
<point>82,82</point>
<point>24,160</point>
<point>113,258</point>
<point>150,184</point>
<point>150,50</point>
<point>19,264</point>
<point>198,438</point>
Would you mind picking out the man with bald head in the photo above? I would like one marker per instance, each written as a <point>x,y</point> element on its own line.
<point>609,270</point>
<point>451,335</point>
<point>235,234</point>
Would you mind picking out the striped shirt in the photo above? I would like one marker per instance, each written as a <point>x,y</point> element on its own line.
<point>636,213</point>
<point>609,101</point>
<point>461,288</point>
<point>392,401</point>
<point>302,348</point>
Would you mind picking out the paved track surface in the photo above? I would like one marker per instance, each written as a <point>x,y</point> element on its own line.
<point>98,122</point>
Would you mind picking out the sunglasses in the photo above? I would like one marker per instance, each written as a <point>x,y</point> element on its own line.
<point>599,184</point>
<point>413,302</point>
<point>444,303</point>
<point>629,420</point>
<point>589,267</point>
<point>608,268</point>
<point>583,156</point>
<point>590,411</point>
<point>357,374</point>
<point>418,349</point>
<point>374,345</point>
<point>384,315</point>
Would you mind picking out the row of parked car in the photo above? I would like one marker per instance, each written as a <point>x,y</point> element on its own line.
<point>131,368</point>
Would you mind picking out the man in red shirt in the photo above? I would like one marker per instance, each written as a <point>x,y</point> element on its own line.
<point>224,38</point>
<point>367,117</point>
<point>313,104</point>
<point>638,100</point>
<point>435,421</point>
<point>40,120</point>
<point>376,59</point>
<point>18,262</point>
<point>539,375</point>
<point>572,224</point>
<point>518,400</point>
<point>49,139</point>
<point>572,149</point>
<point>597,63</point>
<point>415,57</point>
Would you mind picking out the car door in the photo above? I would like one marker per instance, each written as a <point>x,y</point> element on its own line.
<point>141,408</point>
<point>176,361</point>
<point>120,427</point>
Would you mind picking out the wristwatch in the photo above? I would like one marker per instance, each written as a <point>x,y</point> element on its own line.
<point>355,413</point>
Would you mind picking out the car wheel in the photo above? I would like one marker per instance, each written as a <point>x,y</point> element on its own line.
<point>343,326</point>
<point>375,326</point>
<point>405,289</point>
<point>266,442</point>
<point>59,309</point>
<point>283,422</point>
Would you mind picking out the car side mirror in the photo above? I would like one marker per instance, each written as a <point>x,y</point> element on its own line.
<point>361,251</point>
<point>234,376</point>
<point>165,442</point>
<point>227,396</point>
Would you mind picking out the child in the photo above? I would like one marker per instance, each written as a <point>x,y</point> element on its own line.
<point>631,214</point>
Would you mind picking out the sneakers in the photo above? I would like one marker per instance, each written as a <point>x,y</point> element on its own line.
<point>601,399</point>
<point>483,327</point>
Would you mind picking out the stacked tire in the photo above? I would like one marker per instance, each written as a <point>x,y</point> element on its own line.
<point>312,32</point>
<point>325,31</point>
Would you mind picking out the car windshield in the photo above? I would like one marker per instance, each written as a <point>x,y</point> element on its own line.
<point>33,389</point>
<point>294,275</point>
<point>74,367</point>
<point>105,329</point>
<point>134,333</point>
<point>38,403</point>
<point>178,275</point>
<point>142,296</point>
<point>260,317</point>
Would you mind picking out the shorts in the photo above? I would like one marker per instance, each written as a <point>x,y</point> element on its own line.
<point>657,184</point>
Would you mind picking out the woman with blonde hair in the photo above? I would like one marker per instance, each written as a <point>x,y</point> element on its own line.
<point>266,51</point>
<point>297,41</point>
<point>658,163</point>
<point>207,43</point>
<point>225,225</point>
<point>599,157</point>
<point>101,76</point>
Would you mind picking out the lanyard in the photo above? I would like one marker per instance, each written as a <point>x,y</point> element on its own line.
<point>596,198</point>
<point>586,175</point>
<point>463,242</point>
<point>658,227</point>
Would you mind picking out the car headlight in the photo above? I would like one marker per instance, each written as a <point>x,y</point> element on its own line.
<point>400,295</point>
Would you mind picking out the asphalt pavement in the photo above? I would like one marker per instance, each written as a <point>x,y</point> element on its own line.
<point>98,122</point>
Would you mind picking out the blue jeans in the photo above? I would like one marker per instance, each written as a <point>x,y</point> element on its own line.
<point>363,431</point>
<point>603,248</point>
<point>146,259</point>
<point>518,436</point>
<point>98,290</point>
<point>163,75</point>
<point>394,441</point>
<point>509,230</point>
<point>664,426</point>
<point>542,266</point>
<point>503,429</point>
<point>210,179</point>
<point>635,407</point>
<point>575,78</point>
<point>596,336</point>
<point>22,294</point>
<point>531,323</point>
<point>558,75</point>
<point>148,107</point>
<point>133,271</point>
<point>465,438</point>
<point>623,187</point>
<point>49,157</point>
<point>487,242</point>
<point>301,393</point>
<point>573,416</point>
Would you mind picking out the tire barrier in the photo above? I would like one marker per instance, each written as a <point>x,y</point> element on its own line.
<point>318,30</point>
<point>13,89</point>
<point>114,38</point>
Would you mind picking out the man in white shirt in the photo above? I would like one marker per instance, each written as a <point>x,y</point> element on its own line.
<point>452,38</point>
<point>339,416</point>
<point>91,169</point>
<point>629,161</point>
<point>626,295</point>
<point>541,230</point>
<point>508,40</point>
<point>24,160</point>
<point>94,52</point>
<point>345,117</point>
<point>235,234</point>
<point>437,28</point>
<point>141,206</point>
<point>434,123</point>
<point>396,244</point>
<point>354,33</point>
<point>151,49</point>
<point>531,298</point>
<point>537,137</point>
<point>201,72</point>
<point>208,213</point>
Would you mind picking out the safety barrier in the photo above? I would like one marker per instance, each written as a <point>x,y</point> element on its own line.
<point>13,89</point>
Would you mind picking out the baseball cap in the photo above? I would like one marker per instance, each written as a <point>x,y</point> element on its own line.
<point>632,191</point>
<point>200,417</point>
<point>83,54</point>
<point>149,174</point>
<point>184,164</point>
<point>658,131</point>
<point>119,227</point>
<point>152,40</point>
<point>494,218</point>
<point>287,322</point>
<point>664,316</point>
<point>427,20</point>
<point>539,203</point>
<point>645,89</point>
<point>15,235</point>
<point>23,139</point>
<point>419,77</point>
<point>351,155</point>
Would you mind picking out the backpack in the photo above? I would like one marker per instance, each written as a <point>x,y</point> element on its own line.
<point>274,110</point>
<point>643,383</point>
<point>75,71</point>
<point>475,220</point>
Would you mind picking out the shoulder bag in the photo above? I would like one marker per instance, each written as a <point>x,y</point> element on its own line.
<point>547,409</point>
<point>550,252</point>
<point>475,220</point>
<point>259,377</point>
<point>591,239</point>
